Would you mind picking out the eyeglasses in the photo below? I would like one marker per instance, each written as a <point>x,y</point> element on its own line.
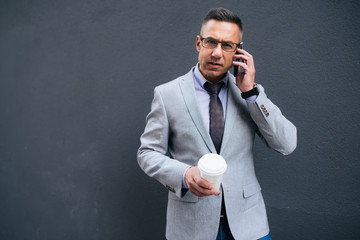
<point>212,43</point>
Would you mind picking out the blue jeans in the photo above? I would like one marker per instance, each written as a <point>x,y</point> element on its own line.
<point>224,232</point>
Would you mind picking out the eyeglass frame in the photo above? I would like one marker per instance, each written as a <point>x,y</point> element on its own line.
<point>217,42</point>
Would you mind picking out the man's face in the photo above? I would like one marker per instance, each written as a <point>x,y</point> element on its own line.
<point>214,63</point>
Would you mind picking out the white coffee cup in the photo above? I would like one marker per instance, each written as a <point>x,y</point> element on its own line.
<point>212,167</point>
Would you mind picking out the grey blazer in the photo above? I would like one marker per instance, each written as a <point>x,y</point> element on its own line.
<point>175,137</point>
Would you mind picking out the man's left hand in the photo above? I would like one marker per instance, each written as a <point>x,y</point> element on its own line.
<point>245,80</point>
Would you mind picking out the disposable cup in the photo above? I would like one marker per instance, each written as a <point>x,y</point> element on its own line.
<point>212,167</point>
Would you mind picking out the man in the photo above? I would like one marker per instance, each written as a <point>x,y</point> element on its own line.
<point>189,118</point>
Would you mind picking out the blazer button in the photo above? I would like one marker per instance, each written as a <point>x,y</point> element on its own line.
<point>263,108</point>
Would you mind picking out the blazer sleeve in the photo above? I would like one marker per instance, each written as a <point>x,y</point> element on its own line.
<point>152,156</point>
<point>277,132</point>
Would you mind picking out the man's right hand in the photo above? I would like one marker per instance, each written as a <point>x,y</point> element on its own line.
<point>197,185</point>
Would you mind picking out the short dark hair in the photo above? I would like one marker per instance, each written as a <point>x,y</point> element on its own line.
<point>222,14</point>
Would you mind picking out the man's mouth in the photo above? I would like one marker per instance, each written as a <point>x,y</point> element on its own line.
<point>215,64</point>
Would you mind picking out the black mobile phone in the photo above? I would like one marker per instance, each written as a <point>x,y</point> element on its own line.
<point>236,68</point>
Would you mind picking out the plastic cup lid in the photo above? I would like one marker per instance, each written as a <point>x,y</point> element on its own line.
<point>212,163</point>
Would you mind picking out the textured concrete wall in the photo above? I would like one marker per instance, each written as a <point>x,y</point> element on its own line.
<point>76,82</point>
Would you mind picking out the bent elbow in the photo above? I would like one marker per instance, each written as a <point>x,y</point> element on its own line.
<point>291,142</point>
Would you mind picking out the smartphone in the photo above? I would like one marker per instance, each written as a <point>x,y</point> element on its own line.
<point>236,68</point>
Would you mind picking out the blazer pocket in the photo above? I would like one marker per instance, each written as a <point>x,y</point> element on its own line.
<point>252,196</point>
<point>188,197</point>
<point>251,189</point>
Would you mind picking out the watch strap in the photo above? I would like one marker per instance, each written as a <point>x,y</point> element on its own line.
<point>250,93</point>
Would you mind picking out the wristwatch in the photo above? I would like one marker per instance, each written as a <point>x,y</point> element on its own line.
<point>251,92</point>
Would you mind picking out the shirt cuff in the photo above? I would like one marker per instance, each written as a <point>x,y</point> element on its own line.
<point>252,99</point>
<point>183,180</point>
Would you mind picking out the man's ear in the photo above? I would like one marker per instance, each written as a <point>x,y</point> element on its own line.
<point>198,43</point>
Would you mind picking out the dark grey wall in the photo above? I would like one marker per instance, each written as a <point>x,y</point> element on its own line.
<point>76,82</point>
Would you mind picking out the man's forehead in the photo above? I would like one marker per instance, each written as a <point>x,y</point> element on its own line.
<point>223,28</point>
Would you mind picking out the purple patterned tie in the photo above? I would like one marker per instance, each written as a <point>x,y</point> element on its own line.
<point>216,113</point>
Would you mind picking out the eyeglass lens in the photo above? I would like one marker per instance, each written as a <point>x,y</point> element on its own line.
<point>212,43</point>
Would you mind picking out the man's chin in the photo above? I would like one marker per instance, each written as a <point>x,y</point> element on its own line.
<point>214,76</point>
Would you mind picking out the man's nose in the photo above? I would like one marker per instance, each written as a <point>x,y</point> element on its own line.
<point>217,51</point>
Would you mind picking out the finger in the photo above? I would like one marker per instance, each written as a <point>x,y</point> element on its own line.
<point>238,63</point>
<point>193,188</point>
<point>199,181</point>
<point>244,66</point>
<point>241,56</point>
<point>203,187</point>
<point>199,191</point>
<point>249,58</point>
<point>208,188</point>
<point>242,51</point>
<point>238,49</point>
<point>204,184</point>
<point>196,192</point>
<point>245,59</point>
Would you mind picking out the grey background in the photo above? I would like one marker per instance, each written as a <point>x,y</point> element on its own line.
<point>76,82</point>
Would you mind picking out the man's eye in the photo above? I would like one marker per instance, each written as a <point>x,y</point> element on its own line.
<point>227,45</point>
<point>211,41</point>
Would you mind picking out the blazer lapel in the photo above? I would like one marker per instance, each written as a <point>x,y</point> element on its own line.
<point>231,112</point>
<point>188,91</point>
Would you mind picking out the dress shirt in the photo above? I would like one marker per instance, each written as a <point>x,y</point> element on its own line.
<point>203,97</point>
